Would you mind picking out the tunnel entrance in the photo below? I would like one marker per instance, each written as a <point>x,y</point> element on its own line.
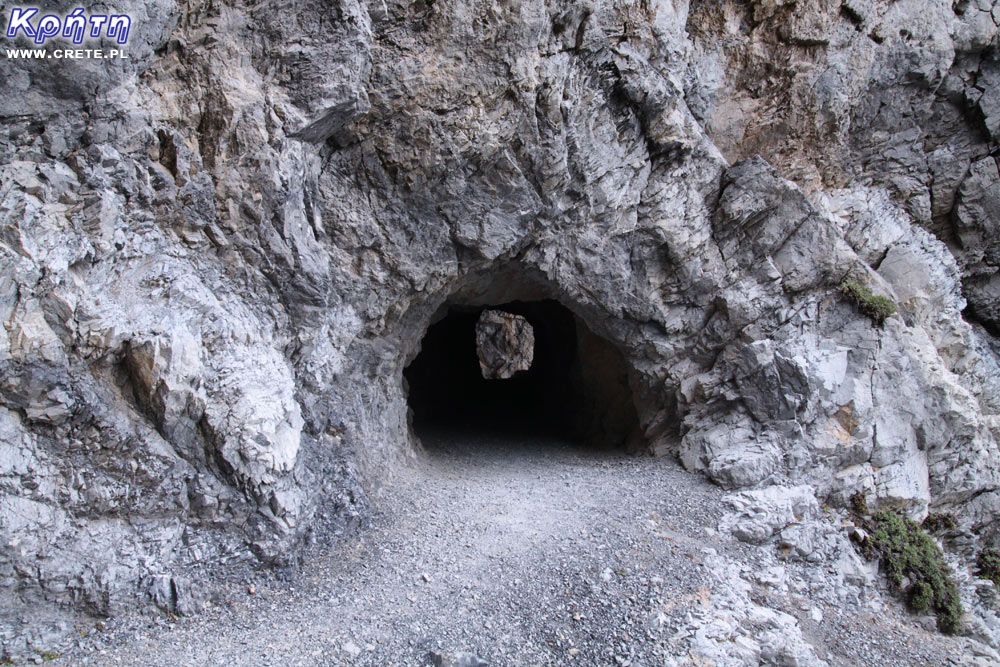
<point>521,368</point>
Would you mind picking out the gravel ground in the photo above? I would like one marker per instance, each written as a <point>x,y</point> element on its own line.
<point>521,554</point>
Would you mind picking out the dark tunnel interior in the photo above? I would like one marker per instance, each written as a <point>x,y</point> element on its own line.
<point>576,387</point>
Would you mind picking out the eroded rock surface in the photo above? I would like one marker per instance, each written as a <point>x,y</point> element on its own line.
<point>218,256</point>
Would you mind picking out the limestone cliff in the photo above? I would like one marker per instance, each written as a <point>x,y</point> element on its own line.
<point>219,255</point>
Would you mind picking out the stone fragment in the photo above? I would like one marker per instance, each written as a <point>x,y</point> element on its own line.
<point>505,344</point>
<point>460,659</point>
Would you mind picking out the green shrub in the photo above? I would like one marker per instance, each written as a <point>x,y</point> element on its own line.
<point>911,558</point>
<point>921,597</point>
<point>878,308</point>
<point>988,564</point>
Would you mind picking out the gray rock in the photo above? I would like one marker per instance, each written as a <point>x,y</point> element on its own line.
<point>761,513</point>
<point>460,659</point>
<point>505,344</point>
<point>976,212</point>
<point>351,649</point>
<point>175,595</point>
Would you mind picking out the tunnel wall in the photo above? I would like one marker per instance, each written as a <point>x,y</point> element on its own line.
<point>607,412</point>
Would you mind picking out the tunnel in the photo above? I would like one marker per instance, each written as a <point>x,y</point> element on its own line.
<point>563,381</point>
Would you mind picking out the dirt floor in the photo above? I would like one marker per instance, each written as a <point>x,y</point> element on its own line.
<point>523,553</point>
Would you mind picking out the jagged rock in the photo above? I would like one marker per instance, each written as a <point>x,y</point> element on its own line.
<point>175,595</point>
<point>505,343</point>
<point>976,212</point>
<point>761,513</point>
<point>725,637</point>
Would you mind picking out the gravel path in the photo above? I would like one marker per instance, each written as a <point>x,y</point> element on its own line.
<point>521,555</point>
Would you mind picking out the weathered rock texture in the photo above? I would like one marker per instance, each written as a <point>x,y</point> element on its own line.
<point>505,344</point>
<point>219,255</point>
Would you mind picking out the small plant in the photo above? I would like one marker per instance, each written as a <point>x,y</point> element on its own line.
<point>878,308</point>
<point>935,523</point>
<point>859,504</point>
<point>49,656</point>
<point>988,565</point>
<point>915,567</point>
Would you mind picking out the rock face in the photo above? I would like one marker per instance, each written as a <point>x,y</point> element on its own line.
<point>505,344</point>
<point>219,255</point>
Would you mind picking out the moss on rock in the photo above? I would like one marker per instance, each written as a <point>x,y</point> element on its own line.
<point>878,308</point>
